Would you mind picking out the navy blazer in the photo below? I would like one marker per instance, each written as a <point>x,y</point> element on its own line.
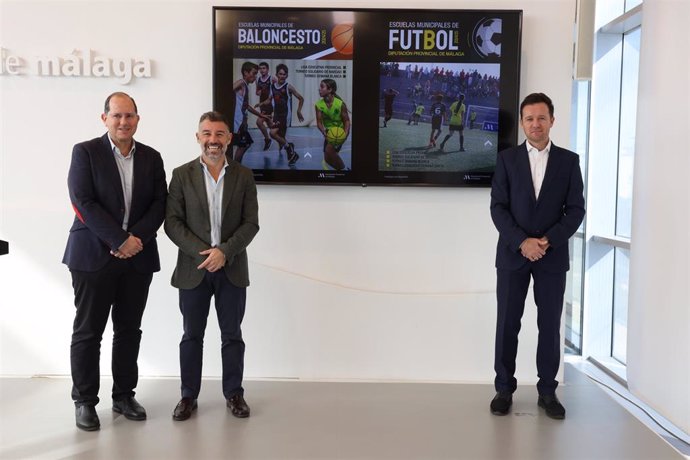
<point>97,197</point>
<point>518,214</point>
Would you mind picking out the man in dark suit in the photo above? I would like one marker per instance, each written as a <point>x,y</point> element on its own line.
<point>117,188</point>
<point>537,204</point>
<point>212,215</point>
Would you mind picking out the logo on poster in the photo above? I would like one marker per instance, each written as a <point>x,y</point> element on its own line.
<point>487,37</point>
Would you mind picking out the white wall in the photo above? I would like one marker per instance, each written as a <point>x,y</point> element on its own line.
<point>659,306</point>
<point>347,282</point>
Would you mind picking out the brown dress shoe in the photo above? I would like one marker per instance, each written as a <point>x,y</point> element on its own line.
<point>238,406</point>
<point>184,409</point>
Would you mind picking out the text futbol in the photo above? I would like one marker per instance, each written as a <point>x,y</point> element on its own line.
<point>281,36</point>
<point>423,39</point>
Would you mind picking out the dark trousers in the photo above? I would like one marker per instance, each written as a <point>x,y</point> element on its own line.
<point>194,305</point>
<point>511,291</point>
<point>119,286</point>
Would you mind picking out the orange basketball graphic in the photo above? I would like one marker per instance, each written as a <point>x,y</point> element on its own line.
<point>341,38</point>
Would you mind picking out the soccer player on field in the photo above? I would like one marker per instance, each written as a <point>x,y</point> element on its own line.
<point>416,114</point>
<point>438,116</point>
<point>457,115</point>
<point>331,111</point>
<point>388,97</point>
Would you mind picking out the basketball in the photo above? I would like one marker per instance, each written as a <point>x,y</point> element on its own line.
<point>335,135</point>
<point>341,38</point>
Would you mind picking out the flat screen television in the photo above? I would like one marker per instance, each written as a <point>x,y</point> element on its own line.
<point>368,96</point>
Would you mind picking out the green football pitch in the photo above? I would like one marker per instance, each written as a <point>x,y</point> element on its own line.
<point>404,147</point>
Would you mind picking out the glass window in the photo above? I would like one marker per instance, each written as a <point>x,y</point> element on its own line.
<point>630,4</point>
<point>619,345</point>
<point>612,130</point>
<point>573,296</point>
<point>579,135</point>
<point>626,146</point>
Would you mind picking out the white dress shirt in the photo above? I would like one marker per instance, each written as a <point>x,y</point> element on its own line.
<point>125,165</point>
<point>537,164</point>
<point>214,196</point>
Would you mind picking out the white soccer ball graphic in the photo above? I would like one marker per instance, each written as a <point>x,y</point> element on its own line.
<point>488,37</point>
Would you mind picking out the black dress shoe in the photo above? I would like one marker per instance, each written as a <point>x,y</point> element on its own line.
<point>501,403</point>
<point>184,409</point>
<point>238,406</point>
<point>552,406</point>
<point>130,408</point>
<point>87,418</point>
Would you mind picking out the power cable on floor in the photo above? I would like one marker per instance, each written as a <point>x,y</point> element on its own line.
<point>639,407</point>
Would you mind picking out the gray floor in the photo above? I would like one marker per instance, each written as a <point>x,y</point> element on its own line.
<point>302,420</point>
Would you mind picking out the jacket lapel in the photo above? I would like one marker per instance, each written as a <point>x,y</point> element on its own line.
<point>552,167</point>
<point>139,172</point>
<point>113,171</point>
<point>525,171</point>
<point>196,173</point>
<point>228,186</point>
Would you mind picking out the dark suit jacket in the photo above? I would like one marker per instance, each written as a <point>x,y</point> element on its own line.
<point>188,223</point>
<point>518,215</point>
<point>97,197</point>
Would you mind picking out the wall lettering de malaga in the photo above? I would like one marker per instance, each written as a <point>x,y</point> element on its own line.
<point>77,63</point>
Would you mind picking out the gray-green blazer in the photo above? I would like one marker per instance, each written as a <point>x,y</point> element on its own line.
<point>188,223</point>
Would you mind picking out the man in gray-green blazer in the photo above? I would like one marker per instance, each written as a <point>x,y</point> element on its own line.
<point>212,215</point>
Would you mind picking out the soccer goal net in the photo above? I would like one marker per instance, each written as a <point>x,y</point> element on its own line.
<point>480,117</point>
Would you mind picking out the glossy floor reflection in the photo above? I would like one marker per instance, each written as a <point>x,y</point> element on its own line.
<point>307,420</point>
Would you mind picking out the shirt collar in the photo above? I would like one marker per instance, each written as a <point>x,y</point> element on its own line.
<point>225,165</point>
<point>530,147</point>
<point>114,148</point>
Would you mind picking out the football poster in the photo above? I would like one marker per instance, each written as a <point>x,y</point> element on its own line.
<point>440,84</point>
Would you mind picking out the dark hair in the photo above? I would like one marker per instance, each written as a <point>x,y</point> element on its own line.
<point>215,116</point>
<point>106,106</point>
<point>248,67</point>
<point>280,67</point>
<point>263,63</point>
<point>332,85</point>
<point>537,98</point>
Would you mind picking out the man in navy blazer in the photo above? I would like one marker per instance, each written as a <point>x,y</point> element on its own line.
<point>537,204</point>
<point>117,188</point>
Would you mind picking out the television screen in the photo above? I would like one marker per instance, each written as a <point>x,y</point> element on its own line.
<point>368,96</point>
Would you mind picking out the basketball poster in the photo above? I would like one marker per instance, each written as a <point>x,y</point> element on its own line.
<point>416,97</point>
<point>297,57</point>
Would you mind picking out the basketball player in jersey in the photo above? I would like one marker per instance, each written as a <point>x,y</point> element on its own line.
<point>438,116</point>
<point>456,123</point>
<point>263,90</point>
<point>241,139</point>
<point>331,111</point>
<point>281,99</point>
